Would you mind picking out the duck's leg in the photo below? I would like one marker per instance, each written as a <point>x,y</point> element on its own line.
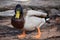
<point>23,35</point>
<point>38,33</point>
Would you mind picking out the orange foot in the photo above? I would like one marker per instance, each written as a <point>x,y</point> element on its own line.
<point>36,37</point>
<point>38,34</point>
<point>23,35</point>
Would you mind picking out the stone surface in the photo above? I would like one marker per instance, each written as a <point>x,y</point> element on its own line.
<point>54,12</point>
<point>10,4</point>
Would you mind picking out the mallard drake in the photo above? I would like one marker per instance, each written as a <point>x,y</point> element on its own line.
<point>33,19</point>
<point>17,20</point>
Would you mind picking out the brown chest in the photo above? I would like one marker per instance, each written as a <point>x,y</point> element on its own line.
<point>19,24</point>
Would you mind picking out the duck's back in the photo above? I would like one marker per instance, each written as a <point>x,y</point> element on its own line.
<point>31,21</point>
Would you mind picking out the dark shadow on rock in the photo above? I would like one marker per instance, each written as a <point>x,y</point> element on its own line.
<point>5,30</point>
<point>8,31</point>
<point>5,17</point>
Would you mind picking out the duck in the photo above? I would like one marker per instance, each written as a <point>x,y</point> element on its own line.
<point>32,21</point>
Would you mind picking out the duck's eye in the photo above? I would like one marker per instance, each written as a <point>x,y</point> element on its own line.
<point>17,14</point>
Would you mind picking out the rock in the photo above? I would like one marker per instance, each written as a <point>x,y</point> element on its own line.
<point>10,4</point>
<point>54,12</point>
<point>57,20</point>
<point>7,13</point>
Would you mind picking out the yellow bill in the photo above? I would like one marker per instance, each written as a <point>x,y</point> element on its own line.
<point>17,14</point>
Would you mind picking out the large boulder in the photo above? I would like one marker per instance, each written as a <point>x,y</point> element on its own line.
<point>10,4</point>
